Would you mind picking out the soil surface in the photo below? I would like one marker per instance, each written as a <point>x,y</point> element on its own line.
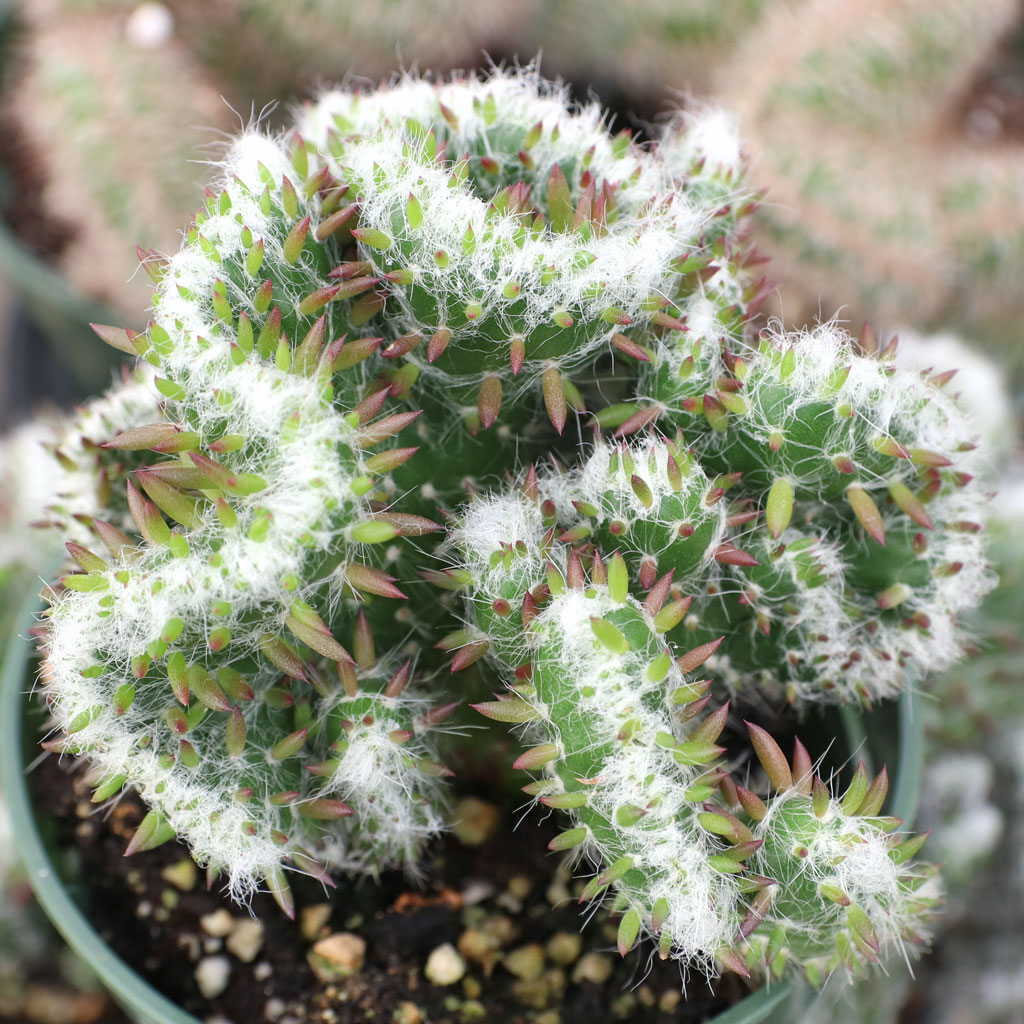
<point>494,932</point>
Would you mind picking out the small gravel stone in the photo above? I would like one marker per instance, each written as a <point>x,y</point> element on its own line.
<point>262,971</point>
<point>622,1006</point>
<point>343,954</point>
<point>219,923</point>
<point>564,948</point>
<point>595,967</point>
<point>444,965</point>
<point>474,821</point>
<point>312,920</point>
<point>476,892</point>
<point>558,893</point>
<point>533,993</point>
<point>212,974</point>
<point>669,1000</point>
<point>274,1009</point>
<point>502,928</point>
<point>183,874</point>
<point>554,977</point>
<point>480,947</point>
<point>526,962</point>
<point>407,1013</point>
<point>190,944</point>
<point>519,887</point>
<point>246,940</point>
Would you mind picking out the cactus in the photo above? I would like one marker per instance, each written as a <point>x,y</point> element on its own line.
<point>593,695</point>
<point>807,881</point>
<point>166,661</point>
<point>867,477</point>
<point>516,240</point>
<point>846,891</point>
<point>244,652</point>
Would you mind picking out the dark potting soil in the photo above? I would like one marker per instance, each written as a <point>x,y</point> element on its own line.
<point>499,922</point>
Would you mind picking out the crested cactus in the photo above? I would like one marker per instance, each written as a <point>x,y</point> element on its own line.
<point>516,240</point>
<point>792,518</point>
<point>167,658</point>
<point>592,672</point>
<point>856,491</point>
<point>801,881</point>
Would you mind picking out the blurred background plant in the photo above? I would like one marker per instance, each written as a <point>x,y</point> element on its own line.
<point>888,137</point>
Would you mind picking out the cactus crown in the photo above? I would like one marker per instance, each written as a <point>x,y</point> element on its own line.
<point>797,514</point>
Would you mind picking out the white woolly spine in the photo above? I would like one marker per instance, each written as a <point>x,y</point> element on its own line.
<point>670,847</point>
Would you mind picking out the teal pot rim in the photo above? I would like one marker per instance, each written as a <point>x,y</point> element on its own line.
<point>776,1003</point>
<point>138,998</point>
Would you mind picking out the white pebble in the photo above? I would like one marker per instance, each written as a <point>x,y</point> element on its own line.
<point>246,940</point>
<point>212,974</point>
<point>444,965</point>
<point>219,923</point>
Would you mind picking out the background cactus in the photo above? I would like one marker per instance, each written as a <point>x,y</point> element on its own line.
<point>929,220</point>
<point>243,656</point>
<point>78,77</point>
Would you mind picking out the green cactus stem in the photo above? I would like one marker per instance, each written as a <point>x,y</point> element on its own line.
<point>516,239</point>
<point>165,660</point>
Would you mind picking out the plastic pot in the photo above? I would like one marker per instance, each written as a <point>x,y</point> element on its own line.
<point>64,898</point>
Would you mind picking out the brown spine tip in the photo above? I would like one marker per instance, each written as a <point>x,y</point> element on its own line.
<point>771,757</point>
<point>554,397</point>
<point>489,400</point>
